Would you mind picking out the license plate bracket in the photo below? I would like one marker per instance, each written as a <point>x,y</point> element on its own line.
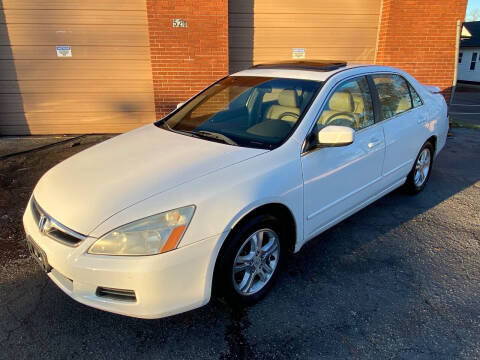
<point>39,255</point>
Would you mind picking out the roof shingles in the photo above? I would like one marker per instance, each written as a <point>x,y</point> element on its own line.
<point>474,28</point>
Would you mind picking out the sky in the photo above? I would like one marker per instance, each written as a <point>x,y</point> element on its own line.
<point>473,4</point>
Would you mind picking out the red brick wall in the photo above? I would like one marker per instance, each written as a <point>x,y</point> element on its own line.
<point>418,36</point>
<point>185,60</point>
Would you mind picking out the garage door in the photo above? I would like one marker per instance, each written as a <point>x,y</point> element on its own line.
<point>272,30</point>
<point>104,86</point>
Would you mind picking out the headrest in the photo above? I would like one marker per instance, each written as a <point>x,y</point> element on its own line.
<point>341,101</point>
<point>403,105</point>
<point>288,97</point>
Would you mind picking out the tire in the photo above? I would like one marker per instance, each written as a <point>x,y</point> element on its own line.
<point>420,174</point>
<point>233,286</point>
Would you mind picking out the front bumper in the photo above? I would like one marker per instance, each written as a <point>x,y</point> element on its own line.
<point>164,284</point>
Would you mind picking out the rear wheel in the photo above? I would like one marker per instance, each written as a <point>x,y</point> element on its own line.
<point>250,261</point>
<point>420,173</point>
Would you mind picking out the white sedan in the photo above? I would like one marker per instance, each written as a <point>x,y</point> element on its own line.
<point>212,198</point>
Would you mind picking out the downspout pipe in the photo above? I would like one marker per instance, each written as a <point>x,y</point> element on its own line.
<point>457,51</point>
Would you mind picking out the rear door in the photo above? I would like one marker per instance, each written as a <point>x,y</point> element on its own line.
<point>403,118</point>
<point>338,180</point>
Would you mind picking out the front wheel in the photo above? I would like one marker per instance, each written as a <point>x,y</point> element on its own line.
<point>250,261</point>
<point>420,173</point>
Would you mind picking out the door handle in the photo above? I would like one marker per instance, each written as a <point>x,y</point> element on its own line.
<point>373,143</point>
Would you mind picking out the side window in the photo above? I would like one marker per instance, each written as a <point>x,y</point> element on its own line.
<point>350,105</point>
<point>460,56</point>
<point>416,99</point>
<point>393,94</point>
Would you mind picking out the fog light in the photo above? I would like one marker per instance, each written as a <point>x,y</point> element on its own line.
<point>116,294</point>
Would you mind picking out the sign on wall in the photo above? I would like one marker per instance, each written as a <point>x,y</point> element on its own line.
<point>180,23</point>
<point>298,53</point>
<point>64,51</point>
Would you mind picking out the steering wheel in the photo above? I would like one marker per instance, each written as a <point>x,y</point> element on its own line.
<point>288,113</point>
<point>344,116</point>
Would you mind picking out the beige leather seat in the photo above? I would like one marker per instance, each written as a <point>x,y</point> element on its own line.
<point>358,103</point>
<point>340,102</point>
<point>403,105</point>
<point>287,103</point>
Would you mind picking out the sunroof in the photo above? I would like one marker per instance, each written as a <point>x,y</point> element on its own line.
<point>315,65</point>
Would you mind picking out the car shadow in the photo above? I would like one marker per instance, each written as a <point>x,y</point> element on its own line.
<point>374,285</point>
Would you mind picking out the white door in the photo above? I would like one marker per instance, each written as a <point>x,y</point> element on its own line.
<point>403,121</point>
<point>338,180</point>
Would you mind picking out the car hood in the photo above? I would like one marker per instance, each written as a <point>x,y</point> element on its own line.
<point>86,189</point>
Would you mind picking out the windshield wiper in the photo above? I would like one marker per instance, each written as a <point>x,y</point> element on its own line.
<point>203,134</point>
<point>188,133</point>
<point>214,135</point>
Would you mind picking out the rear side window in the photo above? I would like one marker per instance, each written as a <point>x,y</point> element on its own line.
<point>393,94</point>
<point>416,99</point>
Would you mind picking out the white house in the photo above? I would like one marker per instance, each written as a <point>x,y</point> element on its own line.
<point>469,55</point>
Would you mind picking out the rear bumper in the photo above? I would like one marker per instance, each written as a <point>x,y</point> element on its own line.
<point>164,284</point>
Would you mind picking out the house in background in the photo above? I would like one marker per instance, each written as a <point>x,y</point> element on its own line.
<point>469,55</point>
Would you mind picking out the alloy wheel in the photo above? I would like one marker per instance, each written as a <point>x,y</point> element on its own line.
<point>422,168</point>
<point>256,261</point>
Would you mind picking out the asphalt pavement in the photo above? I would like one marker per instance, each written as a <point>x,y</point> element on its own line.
<point>465,107</point>
<point>398,280</point>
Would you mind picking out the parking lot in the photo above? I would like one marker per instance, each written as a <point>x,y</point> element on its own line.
<point>465,107</point>
<point>400,280</point>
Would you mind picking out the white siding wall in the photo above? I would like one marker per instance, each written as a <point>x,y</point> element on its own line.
<point>464,72</point>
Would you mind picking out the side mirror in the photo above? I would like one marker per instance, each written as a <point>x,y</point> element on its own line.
<point>334,135</point>
<point>180,104</point>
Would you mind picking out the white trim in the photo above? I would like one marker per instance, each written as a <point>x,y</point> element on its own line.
<point>379,23</point>
<point>317,212</point>
<point>326,207</point>
<point>355,209</point>
<point>397,168</point>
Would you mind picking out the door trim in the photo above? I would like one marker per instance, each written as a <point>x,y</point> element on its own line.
<point>355,209</point>
<point>344,197</point>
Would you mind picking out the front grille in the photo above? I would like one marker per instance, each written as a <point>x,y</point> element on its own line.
<point>116,294</point>
<point>53,229</point>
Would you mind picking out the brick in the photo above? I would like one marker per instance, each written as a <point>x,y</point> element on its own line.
<point>186,60</point>
<point>418,36</point>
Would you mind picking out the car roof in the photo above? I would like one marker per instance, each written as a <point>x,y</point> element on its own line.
<point>318,70</point>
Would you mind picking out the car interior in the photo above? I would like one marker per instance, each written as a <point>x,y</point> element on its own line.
<point>393,94</point>
<point>268,111</point>
<point>265,110</point>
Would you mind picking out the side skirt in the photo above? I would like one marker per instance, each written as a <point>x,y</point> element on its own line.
<point>352,211</point>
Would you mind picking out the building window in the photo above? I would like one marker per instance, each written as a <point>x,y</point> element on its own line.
<point>460,56</point>
<point>474,61</point>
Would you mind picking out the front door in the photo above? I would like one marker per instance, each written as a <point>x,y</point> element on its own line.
<point>338,180</point>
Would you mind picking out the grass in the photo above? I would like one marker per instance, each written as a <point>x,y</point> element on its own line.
<point>455,123</point>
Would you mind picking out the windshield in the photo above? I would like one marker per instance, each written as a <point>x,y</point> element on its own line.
<point>245,111</point>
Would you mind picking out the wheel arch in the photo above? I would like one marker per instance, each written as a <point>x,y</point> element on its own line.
<point>279,210</point>
<point>433,140</point>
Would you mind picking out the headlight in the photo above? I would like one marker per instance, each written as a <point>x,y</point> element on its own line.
<point>152,235</point>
